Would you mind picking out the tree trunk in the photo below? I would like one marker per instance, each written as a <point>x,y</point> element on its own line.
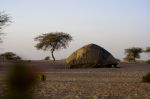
<point>52,52</point>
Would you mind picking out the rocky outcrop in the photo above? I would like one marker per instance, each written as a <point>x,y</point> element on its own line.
<point>91,56</point>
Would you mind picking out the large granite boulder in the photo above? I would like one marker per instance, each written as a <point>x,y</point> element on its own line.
<point>91,56</point>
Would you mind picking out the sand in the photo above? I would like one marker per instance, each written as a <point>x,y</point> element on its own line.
<point>99,83</point>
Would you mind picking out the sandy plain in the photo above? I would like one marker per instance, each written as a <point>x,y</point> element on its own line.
<point>97,83</point>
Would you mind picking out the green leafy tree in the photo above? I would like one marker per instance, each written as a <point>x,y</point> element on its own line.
<point>4,19</point>
<point>133,53</point>
<point>53,41</point>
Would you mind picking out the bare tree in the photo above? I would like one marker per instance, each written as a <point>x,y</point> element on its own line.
<point>53,41</point>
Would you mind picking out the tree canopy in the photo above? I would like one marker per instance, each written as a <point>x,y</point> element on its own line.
<point>9,56</point>
<point>53,41</point>
<point>133,53</point>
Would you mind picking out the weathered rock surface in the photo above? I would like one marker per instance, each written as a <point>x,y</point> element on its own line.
<point>90,56</point>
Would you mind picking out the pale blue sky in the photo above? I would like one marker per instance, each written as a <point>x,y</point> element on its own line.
<point>112,24</point>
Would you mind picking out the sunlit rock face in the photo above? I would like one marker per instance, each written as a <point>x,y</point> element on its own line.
<point>91,56</point>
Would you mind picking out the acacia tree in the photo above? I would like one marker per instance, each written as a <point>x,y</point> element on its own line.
<point>4,19</point>
<point>9,56</point>
<point>53,41</point>
<point>133,53</point>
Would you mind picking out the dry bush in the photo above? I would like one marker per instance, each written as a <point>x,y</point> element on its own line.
<point>146,78</point>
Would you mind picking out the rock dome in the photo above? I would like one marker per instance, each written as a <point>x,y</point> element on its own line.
<point>91,56</point>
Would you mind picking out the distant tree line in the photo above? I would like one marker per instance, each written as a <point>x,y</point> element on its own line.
<point>58,40</point>
<point>9,56</point>
<point>134,53</point>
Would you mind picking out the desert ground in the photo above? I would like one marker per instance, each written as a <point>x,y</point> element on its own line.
<point>97,83</point>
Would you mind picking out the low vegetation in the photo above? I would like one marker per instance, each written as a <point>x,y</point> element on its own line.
<point>148,61</point>
<point>146,78</point>
<point>20,82</point>
<point>47,58</point>
<point>43,77</point>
